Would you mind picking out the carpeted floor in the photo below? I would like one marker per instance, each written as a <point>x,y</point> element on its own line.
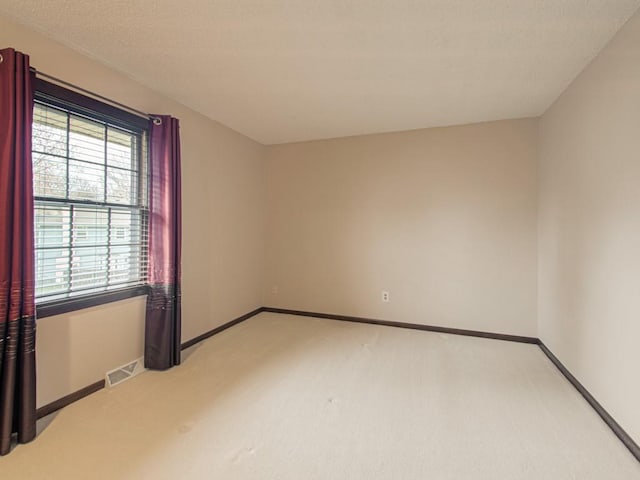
<point>284,397</point>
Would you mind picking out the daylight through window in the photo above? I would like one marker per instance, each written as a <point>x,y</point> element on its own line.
<point>90,186</point>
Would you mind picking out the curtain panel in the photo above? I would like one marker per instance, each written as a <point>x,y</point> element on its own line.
<point>163,314</point>
<point>17,274</point>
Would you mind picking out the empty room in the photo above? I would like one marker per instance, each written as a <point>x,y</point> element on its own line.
<point>284,240</point>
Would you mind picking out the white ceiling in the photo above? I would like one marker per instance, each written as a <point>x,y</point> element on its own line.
<point>291,70</point>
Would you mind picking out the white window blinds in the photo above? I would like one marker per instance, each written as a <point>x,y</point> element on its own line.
<point>90,183</point>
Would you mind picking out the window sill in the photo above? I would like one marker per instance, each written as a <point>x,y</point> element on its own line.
<point>67,305</point>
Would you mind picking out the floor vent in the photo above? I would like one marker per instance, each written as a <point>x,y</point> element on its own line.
<point>120,374</point>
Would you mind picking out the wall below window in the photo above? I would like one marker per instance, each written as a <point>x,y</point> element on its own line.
<point>589,227</point>
<point>76,349</point>
<point>443,219</point>
<point>223,197</point>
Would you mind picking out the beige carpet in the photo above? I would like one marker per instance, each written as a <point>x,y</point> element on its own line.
<point>284,397</point>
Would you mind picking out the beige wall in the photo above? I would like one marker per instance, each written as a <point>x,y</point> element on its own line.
<point>589,227</point>
<point>444,219</point>
<point>222,230</point>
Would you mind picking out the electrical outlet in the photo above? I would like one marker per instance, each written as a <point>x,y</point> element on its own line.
<point>385,296</point>
<point>274,290</point>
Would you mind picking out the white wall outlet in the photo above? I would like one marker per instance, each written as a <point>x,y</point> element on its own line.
<point>385,296</point>
<point>274,290</point>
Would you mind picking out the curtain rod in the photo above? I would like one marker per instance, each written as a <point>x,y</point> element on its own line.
<point>38,73</point>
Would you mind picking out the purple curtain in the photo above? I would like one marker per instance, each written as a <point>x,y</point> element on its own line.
<point>162,328</point>
<point>17,275</point>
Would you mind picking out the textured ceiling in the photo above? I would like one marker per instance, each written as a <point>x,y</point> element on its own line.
<point>291,70</point>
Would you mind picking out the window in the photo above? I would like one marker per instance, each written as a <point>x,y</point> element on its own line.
<point>90,187</point>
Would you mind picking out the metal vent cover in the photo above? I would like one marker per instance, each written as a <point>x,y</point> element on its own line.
<point>125,372</point>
